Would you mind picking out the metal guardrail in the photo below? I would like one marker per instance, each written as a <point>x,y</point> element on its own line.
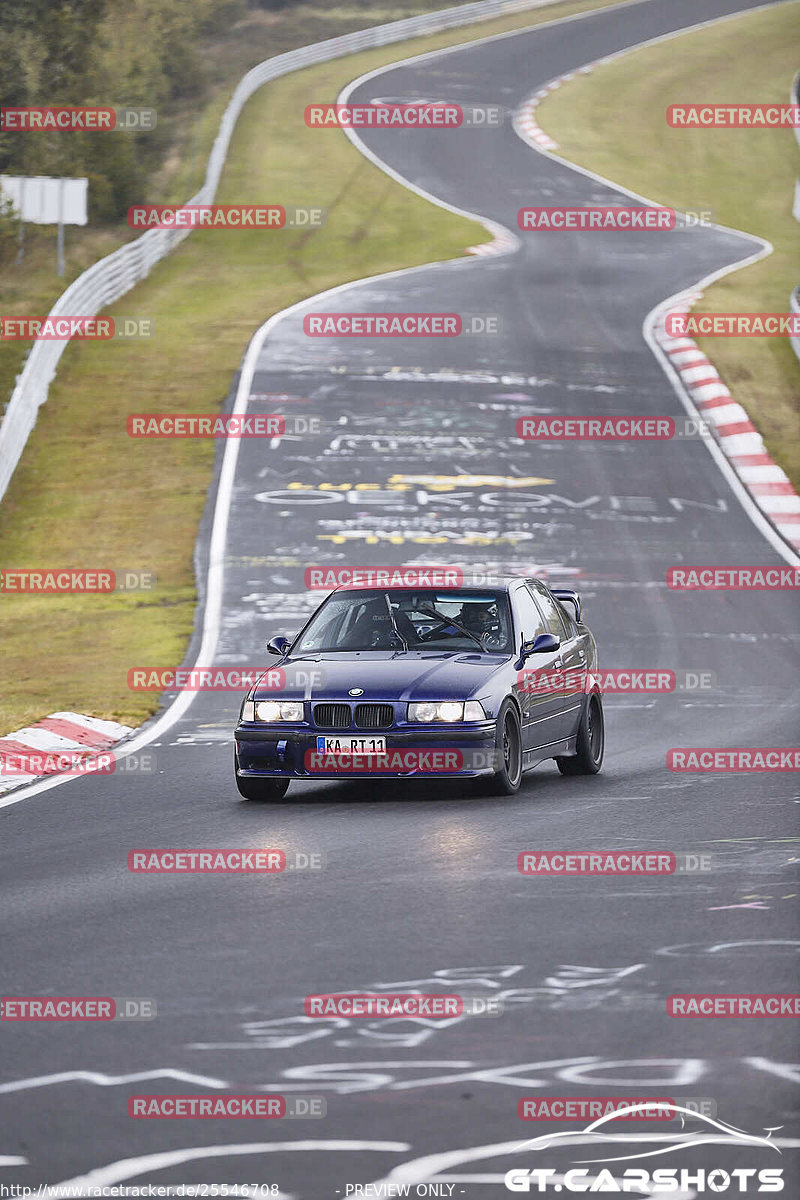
<point>111,277</point>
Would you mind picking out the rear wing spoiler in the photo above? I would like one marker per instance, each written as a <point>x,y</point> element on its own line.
<point>570,597</point>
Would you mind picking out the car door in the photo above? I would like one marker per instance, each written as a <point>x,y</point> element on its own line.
<point>540,686</point>
<point>573,656</point>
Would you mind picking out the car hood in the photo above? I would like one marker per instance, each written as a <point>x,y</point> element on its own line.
<point>383,675</point>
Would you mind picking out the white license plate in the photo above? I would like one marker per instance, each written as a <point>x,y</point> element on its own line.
<point>351,745</point>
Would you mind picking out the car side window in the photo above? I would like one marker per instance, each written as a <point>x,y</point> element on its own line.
<point>552,613</point>
<point>528,615</point>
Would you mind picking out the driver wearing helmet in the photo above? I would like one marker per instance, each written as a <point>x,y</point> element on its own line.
<point>479,619</point>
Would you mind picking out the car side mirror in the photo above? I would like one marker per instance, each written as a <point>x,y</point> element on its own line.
<point>567,596</point>
<point>278,645</point>
<point>543,643</point>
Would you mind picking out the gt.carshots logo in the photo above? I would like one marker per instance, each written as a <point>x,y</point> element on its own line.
<point>697,1128</point>
<point>638,1180</point>
<point>327,578</point>
<point>384,116</point>
<point>602,218</point>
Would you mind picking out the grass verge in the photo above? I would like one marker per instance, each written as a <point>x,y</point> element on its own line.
<point>85,495</point>
<point>613,122</point>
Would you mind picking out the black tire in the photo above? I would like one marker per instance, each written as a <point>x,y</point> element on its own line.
<point>591,742</point>
<point>508,745</point>
<point>262,790</point>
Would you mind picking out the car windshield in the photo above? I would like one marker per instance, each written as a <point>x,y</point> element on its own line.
<point>413,620</point>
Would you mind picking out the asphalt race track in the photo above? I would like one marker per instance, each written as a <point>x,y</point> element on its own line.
<point>419,886</point>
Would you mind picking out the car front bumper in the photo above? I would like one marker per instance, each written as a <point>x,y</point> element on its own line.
<point>412,752</point>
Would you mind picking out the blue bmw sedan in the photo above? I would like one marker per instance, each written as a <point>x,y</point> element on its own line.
<point>421,683</point>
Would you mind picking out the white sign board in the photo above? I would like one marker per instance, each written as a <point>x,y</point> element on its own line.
<point>46,201</point>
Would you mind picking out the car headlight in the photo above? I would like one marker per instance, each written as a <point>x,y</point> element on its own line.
<point>447,711</point>
<point>272,710</point>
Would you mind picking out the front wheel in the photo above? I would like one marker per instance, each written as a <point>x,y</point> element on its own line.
<point>591,742</point>
<point>506,779</point>
<point>262,790</point>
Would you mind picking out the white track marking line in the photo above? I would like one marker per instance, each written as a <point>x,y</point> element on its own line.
<point>129,1168</point>
<point>98,1079</point>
